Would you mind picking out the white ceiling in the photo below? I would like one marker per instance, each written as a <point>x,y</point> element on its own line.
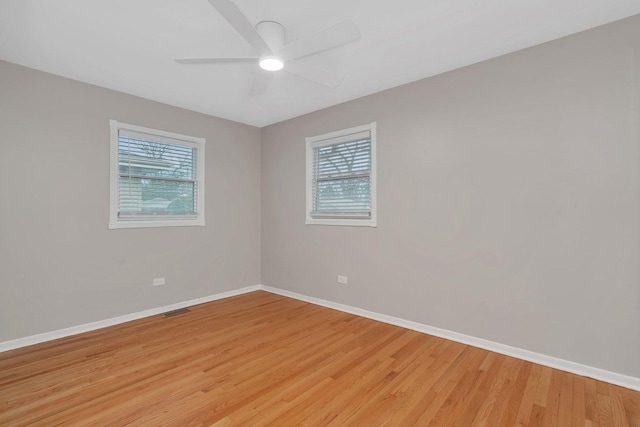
<point>130,45</point>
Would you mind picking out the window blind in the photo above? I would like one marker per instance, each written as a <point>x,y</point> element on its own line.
<point>157,177</point>
<point>341,177</point>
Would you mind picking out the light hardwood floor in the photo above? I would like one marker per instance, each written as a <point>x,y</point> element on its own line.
<point>262,359</point>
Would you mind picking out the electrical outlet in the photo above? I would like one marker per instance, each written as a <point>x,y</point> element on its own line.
<point>342,280</point>
<point>158,281</point>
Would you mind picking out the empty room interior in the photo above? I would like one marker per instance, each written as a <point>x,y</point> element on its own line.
<point>363,213</point>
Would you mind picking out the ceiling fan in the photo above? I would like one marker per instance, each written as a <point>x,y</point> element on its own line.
<point>274,54</point>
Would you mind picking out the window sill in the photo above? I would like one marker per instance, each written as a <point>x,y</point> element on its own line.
<point>343,222</point>
<point>146,224</point>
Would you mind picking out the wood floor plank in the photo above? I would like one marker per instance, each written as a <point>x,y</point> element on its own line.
<point>565,401</point>
<point>519,388</point>
<point>553,400</point>
<point>525,408</point>
<point>542,390</point>
<point>482,388</point>
<point>605,413</point>
<point>619,414</point>
<point>500,405</point>
<point>491,394</point>
<point>591,402</point>
<point>263,359</point>
<point>578,411</point>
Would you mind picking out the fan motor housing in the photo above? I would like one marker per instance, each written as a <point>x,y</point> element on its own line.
<point>273,34</point>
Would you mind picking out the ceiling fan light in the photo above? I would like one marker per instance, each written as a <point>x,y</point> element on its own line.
<point>271,63</point>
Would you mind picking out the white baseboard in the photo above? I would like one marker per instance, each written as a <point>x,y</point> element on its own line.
<point>74,330</point>
<point>541,359</point>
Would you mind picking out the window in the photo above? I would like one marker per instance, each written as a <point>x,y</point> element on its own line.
<point>341,177</point>
<point>157,178</point>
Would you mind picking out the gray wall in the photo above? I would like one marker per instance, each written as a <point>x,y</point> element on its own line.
<point>508,196</point>
<point>59,264</point>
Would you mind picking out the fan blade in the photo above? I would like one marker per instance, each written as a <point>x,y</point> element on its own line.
<point>230,11</point>
<point>338,35</point>
<point>261,83</point>
<point>317,75</point>
<point>215,60</point>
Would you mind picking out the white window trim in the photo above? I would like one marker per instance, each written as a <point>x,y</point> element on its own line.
<point>114,221</point>
<point>315,141</point>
